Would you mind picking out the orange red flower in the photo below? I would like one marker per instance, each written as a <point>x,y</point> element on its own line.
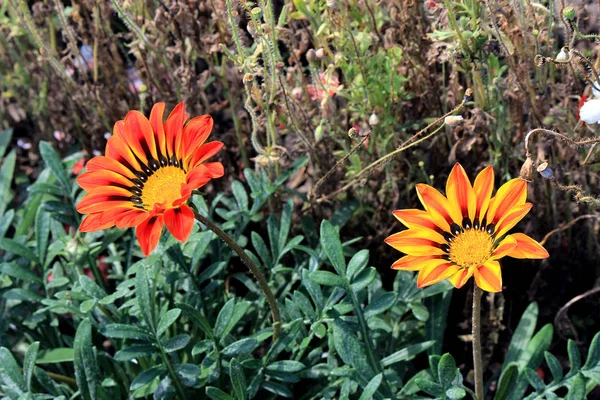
<point>464,233</point>
<point>147,175</point>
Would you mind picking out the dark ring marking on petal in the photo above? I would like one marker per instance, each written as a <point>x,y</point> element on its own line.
<point>446,257</point>
<point>142,177</point>
<point>163,161</point>
<point>490,228</point>
<point>455,229</point>
<point>445,248</point>
<point>483,223</point>
<point>476,224</point>
<point>135,191</point>
<point>174,161</point>
<point>136,200</point>
<point>139,184</point>
<point>448,236</point>
<point>153,164</point>
<point>466,223</point>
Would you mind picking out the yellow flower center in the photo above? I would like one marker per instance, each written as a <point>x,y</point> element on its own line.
<point>163,187</point>
<point>471,248</point>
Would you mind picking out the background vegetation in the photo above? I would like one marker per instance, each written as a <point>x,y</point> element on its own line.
<point>331,112</point>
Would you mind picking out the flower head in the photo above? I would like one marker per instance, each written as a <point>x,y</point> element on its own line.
<point>147,175</point>
<point>464,233</point>
<point>590,110</point>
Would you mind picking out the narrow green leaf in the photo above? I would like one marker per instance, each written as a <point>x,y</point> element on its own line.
<point>288,366</point>
<point>455,393</point>
<point>198,319</point>
<point>122,331</point>
<point>430,387</point>
<point>363,279</point>
<point>55,164</point>
<point>351,350</point>
<point>136,351</point>
<point>217,394</point>
<point>167,320</point>
<point>20,272</point>
<point>593,357</point>
<point>380,304</point>
<point>53,356</point>
<point>29,363</point>
<point>84,359</point>
<point>238,380</point>
<point>286,223</point>
<point>508,382</point>
<point>539,343</point>
<point>7,172</point>
<point>406,353</point>
<point>240,194</point>
<point>42,233</point>
<point>146,377</point>
<point>534,379</point>
<point>576,388</point>
<point>330,241</point>
<point>277,388</point>
<point>239,311</point>
<point>223,318</point>
<point>91,288</point>
<point>10,373</point>
<point>554,365</point>
<point>574,355</point>
<point>261,249</point>
<point>521,336</point>
<point>16,248</point>
<point>142,295</point>
<point>357,263</point>
<point>327,278</point>
<point>371,388</point>
<point>242,346</point>
<point>176,343</point>
<point>5,222</point>
<point>273,232</point>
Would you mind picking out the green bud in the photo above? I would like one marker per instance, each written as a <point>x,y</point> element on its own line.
<point>569,13</point>
<point>535,33</point>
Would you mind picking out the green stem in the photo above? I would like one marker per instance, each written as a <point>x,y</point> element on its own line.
<point>476,329</point>
<point>262,282</point>
<point>167,363</point>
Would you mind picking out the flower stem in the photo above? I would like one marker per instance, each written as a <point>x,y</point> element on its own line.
<point>476,329</point>
<point>262,282</point>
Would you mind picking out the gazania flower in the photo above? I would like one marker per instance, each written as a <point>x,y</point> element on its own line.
<point>464,233</point>
<point>148,174</point>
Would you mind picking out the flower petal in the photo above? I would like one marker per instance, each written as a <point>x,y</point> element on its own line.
<point>412,263</point>
<point>140,136</point>
<point>156,120</point>
<point>435,271</point>
<point>215,169</point>
<point>148,233</point>
<point>512,218</point>
<point>489,276</point>
<point>95,222</point>
<point>440,209</point>
<point>195,133</point>
<point>461,277</point>
<point>105,198</point>
<point>203,153</point>
<point>504,247</point>
<point>118,150</point>
<point>131,218</point>
<point>415,242</point>
<point>180,222</point>
<point>527,248</point>
<point>173,127</point>
<point>102,163</point>
<point>413,218</point>
<point>483,187</point>
<point>460,193</point>
<point>590,111</point>
<point>92,179</point>
<point>512,193</point>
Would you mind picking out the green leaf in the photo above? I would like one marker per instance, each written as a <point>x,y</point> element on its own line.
<point>238,381</point>
<point>285,224</point>
<point>198,319</point>
<point>534,352</point>
<point>20,272</point>
<point>327,278</point>
<point>91,288</point>
<point>429,387</point>
<point>146,377</point>
<point>277,389</point>
<point>5,222</point>
<point>22,294</point>
<point>447,370</point>
<point>55,164</point>
<point>29,363</point>
<point>576,388</point>
<point>177,342</point>
<point>574,355</point>
<point>330,241</point>
<point>419,311</point>
<point>84,359</point>
<point>273,231</point>
<point>42,233</point>
<point>7,171</point>
<point>10,373</point>
<point>142,294</point>
<point>240,194</point>
<point>122,331</point>
<point>16,248</point>
<point>5,138</point>
<point>380,304</point>
<point>217,394</point>
<point>435,325</point>
<point>287,366</point>
<point>357,263</point>
<point>242,346</point>
<point>554,365</point>
<point>593,357</point>
<point>371,388</point>
<point>223,318</point>
<point>455,393</point>
<point>167,320</point>
<point>53,356</point>
<point>135,351</point>
<point>261,248</point>
<point>534,379</point>
<point>239,311</point>
<point>363,279</point>
<point>351,350</point>
<point>521,336</point>
<point>508,382</point>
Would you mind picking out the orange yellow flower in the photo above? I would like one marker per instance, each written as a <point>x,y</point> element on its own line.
<point>464,233</point>
<point>147,175</point>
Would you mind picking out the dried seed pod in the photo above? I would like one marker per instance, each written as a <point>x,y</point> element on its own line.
<point>453,120</point>
<point>527,170</point>
<point>545,171</point>
<point>373,120</point>
<point>311,55</point>
<point>320,53</point>
<point>353,133</point>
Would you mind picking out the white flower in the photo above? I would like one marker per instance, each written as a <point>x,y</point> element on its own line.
<point>590,110</point>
